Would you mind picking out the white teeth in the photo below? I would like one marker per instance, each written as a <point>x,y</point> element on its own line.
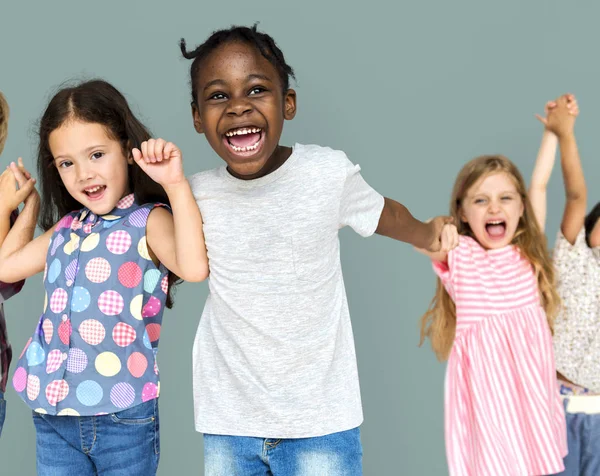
<point>92,190</point>
<point>495,222</point>
<point>244,149</point>
<point>243,131</point>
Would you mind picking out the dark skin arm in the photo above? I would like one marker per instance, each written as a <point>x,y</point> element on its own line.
<point>397,222</point>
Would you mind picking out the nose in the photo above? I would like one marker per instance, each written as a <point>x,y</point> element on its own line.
<point>494,206</point>
<point>239,106</point>
<point>84,171</point>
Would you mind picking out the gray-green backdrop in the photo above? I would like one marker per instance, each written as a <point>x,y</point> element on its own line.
<point>409,90</point>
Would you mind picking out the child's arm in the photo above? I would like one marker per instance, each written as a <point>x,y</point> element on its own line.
<point>543,169</point>
<point>20,257</point>
<point>449,241</point>
<point>562,123</point>
<point>396,222</point>
<point>11,198</point>
<point>545,163</point>
<point>176,240</point>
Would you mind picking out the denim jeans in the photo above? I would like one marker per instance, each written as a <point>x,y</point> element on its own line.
<point>583,436</point>
<point>338,454</point>
<point>2,411</point>
<point>118,444</point>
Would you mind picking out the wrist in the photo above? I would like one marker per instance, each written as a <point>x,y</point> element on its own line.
<point>176,188</point>
<point>565,135</point>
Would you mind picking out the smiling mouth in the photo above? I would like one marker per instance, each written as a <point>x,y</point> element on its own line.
<point>244,140</point>
<point>96,192</point>
<point>496,229</point>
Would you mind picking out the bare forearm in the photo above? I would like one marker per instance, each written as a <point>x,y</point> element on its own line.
<point>397,222</point>
<point>541,176</point>
<point>23,230</point>
<point>190,249</point>
<point>574,180</point>
<point>4,226</point>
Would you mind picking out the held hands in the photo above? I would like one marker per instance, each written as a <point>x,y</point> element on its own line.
<point>161,160</point>
<point>560,115</point>
<point>16,187</point>
<point>444,235</point>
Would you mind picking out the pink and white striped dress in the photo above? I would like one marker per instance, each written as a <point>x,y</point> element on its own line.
<point>503,413</point>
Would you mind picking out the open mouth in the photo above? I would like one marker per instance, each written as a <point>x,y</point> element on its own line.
<point>244,141</point>
<point>95,193</point>
<point>496,229</point>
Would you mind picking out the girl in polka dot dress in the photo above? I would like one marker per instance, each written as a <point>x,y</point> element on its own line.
<point>121,223</point>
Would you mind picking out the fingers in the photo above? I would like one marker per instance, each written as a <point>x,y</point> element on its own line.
<point>170,150</point>
<point>19,175</point>
<point>449,238</point>
<point>25,190</point>
<point>542,119</point>
<point>157,150</point>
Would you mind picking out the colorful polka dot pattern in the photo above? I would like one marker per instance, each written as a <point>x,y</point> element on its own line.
<point>94,349</point>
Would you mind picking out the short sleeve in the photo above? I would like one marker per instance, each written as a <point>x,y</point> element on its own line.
<point>571,259</point>
<point>448,272</point>
<point>360,204</point>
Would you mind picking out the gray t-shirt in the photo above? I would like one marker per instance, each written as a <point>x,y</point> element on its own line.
<point>274,352</point>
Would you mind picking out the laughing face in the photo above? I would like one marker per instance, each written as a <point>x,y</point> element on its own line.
<point>241,107</point>
<point>91,164</point>
<point>492,208</point>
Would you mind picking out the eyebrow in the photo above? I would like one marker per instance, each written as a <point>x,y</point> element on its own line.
<point>86,151</point>
<point>505,192</point>
<point>250,77</point>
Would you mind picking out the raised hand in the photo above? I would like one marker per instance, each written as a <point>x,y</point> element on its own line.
<point>16,185</point>
<point>161,160</point>
<point>571,103</point>
<point>561,117</point>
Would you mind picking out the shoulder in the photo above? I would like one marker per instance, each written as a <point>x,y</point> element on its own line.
<point>205,177</point>
<point>324,164</point>
<point>317,155</point>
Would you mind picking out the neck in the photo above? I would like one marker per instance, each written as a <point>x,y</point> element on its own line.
<point>277,159</point>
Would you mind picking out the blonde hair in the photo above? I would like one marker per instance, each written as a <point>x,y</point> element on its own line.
<point>4,112</point>
<point>439,322</point>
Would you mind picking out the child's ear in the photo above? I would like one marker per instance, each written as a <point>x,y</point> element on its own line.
<point>197,121</point>
<point>289,106</point>
<point>129,156</point>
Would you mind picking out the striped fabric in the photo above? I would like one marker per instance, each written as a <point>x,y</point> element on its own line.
<point>503,413</point>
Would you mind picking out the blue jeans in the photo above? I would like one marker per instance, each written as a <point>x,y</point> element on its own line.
<point>338,454</point>
<point>2,411</point>
<point>118,444</point>
<point>583,436</point>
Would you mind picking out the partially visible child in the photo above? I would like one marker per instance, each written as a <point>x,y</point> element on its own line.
<point>577,262</point>
<point>7,217</point>
<point>491,318</point>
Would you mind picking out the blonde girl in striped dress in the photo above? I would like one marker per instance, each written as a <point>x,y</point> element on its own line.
<point>491,318</point>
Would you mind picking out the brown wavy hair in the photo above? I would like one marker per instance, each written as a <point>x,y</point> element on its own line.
<point>4,112</point>
<point>439,322</point>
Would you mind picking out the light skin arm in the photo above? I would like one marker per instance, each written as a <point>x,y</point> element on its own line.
<point>541,175</point>
<point>562,123</point>
<point>20,255</point>
<point>176,240</point>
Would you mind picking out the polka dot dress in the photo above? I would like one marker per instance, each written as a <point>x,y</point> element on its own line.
<point>94,349</point>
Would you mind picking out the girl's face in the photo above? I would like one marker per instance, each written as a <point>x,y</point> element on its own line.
<point>492,207</point>
<point>91,164</point>
<point>241,107</point>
